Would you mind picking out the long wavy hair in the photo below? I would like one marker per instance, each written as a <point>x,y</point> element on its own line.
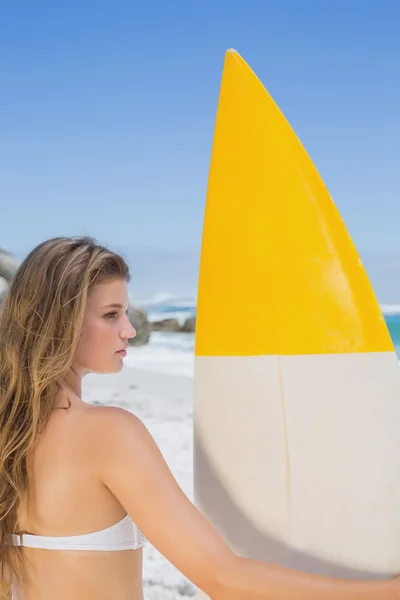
<point>41,320</point>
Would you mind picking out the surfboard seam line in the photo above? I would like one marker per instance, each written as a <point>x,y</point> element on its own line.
<point>285,428</point>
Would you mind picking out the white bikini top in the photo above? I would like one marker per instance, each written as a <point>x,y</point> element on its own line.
<point>124,535</point>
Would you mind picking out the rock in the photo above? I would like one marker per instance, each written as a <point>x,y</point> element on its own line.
<point>8,265</point>
<point>189,325</point>
<point>139,320</point>
<point>3,284</point>
<point>173,326</point>
<point>169,325</point>
<point>3,287</point>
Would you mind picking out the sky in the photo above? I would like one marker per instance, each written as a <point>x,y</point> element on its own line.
<point>107,111</point>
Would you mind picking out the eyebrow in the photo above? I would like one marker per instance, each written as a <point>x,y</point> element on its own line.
<point>115,305</point>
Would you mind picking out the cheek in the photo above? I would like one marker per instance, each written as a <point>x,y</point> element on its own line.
<point>95,346</point>
<point>94,334</point>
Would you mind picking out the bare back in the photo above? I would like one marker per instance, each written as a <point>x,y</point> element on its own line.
<point>66,499</point>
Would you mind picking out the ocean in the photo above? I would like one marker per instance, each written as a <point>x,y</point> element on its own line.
<point>173,353</point>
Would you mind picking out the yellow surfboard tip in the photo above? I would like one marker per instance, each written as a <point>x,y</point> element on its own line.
<point>232,53</point>
<point>272,231</point>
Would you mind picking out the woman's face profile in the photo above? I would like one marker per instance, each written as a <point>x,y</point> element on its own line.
<point>106,329</point>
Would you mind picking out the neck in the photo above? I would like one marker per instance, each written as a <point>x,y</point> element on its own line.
<point>73,381</point>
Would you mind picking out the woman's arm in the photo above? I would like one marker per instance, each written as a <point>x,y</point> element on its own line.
<point>128,461</point>
<point>258,580</point>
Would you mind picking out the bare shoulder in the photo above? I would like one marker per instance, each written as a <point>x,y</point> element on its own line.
<point>105,414</point>
<point>130,464</point>
<point>115,436</point>
<point>106,423</point>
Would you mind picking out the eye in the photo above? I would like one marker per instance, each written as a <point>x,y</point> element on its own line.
<point>110,315</point>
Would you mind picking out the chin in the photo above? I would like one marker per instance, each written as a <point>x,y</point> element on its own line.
<point>115,368</point>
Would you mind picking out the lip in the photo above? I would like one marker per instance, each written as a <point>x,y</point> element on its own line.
<point>122,352</point>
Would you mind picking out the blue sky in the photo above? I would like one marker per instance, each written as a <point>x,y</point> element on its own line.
<point>107,112</point>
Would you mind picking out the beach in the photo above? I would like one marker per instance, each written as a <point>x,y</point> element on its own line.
<point>164,403</point>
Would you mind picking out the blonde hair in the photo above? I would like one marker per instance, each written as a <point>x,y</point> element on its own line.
<point>41,318</point>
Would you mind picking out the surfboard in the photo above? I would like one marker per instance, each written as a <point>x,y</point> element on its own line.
<point>297,384</point>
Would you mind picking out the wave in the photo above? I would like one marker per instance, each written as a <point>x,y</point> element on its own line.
<point>159,298</point>
<point>166,299</point>
<point>390,309</point>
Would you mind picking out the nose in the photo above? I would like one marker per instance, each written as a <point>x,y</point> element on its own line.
<point>128,332</point>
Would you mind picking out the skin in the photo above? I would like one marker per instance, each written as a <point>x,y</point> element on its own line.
<point>95,464</point>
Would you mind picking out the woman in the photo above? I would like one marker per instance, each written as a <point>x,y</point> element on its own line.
<point>82,485</point>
